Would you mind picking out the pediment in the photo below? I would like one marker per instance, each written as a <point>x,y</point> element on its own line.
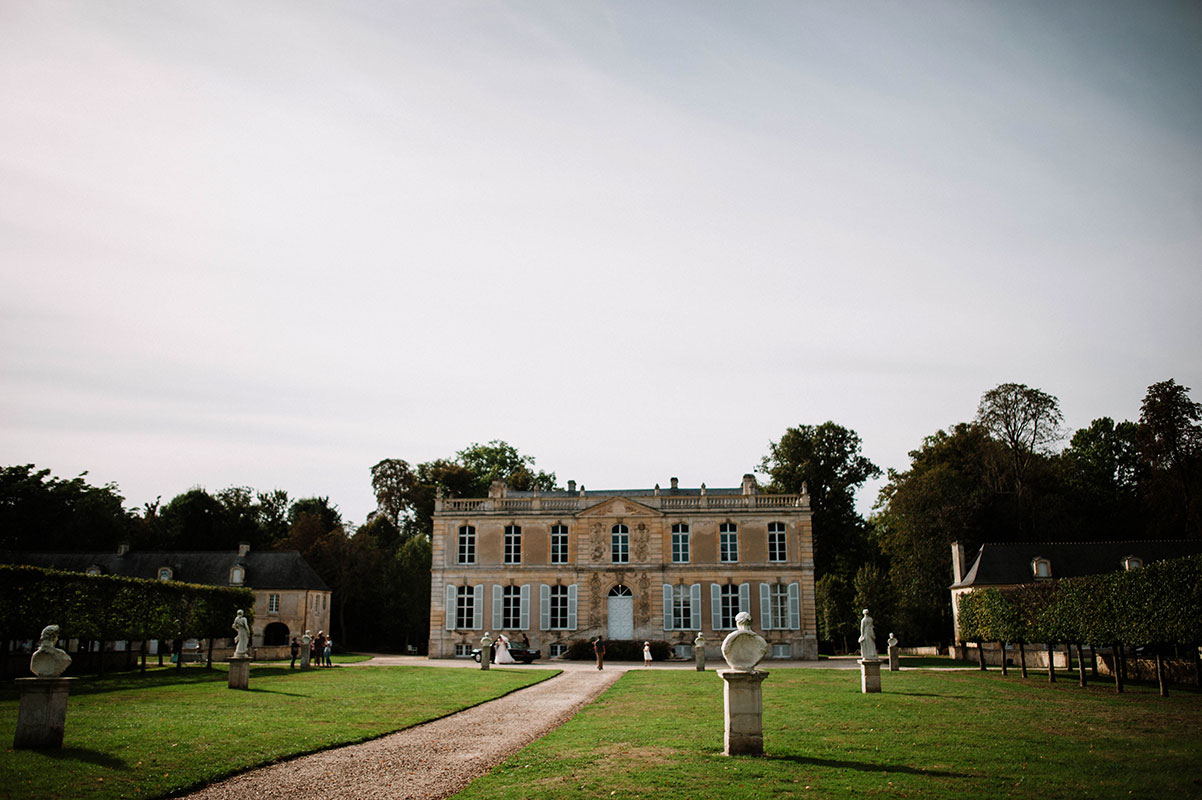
<point>619,507</point>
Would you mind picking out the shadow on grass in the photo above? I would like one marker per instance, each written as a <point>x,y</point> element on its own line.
<point>866,766</point>
<point>100,759</point>
<point>931,694</point>
<point>257,690</point>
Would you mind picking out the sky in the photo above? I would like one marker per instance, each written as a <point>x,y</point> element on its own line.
<point>269,244</point>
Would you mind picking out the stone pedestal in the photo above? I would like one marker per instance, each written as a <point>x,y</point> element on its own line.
<point>894,658</point>
<point>743,703</point>
<point>42,714</point>
<point>699,658</point>
<point>870,675</point>
<point>240,672</point>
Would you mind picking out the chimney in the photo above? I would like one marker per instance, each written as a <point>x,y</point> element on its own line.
<point>123,548</point>
<point>675,483</point>
<point>243,548</point>
<point>748,483</point>
<point>957,562</point>
<point>571,487</point>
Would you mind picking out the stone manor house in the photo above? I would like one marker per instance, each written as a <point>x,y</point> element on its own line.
<point>625,564</point>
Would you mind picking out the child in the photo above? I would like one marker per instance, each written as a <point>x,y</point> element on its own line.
<point>646,654</point>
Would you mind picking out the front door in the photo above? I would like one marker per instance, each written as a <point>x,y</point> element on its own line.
<point>621,613</point>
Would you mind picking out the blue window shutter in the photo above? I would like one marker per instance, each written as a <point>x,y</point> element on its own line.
<point>496,607</point>
<point>544,607</point>
<point>572,606</point>
<point>765,608</point>
<point>795,606</point>
<point>667,606</point>
<point>451,607</point>
<point>745,597</point>
<point>715,607</point>
<point>478,607</point>
<point>524,613</point>
<point>695,605</point>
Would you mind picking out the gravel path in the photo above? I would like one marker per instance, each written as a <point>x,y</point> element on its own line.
<point>432,760</point>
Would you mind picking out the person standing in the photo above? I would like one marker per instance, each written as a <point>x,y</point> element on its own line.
<point>295,649</point>
<point>599,649</point>
<point>319,648</point>
<point>329,649</point>
<point>646,654</point>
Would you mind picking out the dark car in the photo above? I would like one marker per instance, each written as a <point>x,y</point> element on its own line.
<point>519,653</point>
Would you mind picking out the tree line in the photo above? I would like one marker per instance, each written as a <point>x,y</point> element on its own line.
<point>1003,476</point>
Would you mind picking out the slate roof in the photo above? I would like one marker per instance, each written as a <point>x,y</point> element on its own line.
<point>266,570</point>
<point>1010,563</point>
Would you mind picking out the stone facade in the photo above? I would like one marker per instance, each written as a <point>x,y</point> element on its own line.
<point>623,564</point>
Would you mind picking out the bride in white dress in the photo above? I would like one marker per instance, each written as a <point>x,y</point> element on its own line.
<point>501,649</point>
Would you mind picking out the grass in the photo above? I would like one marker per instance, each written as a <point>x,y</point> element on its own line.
<point>929,734</point>
<point>145,736</point>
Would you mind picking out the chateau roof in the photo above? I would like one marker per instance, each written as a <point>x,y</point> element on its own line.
<point>266,570</point>
<point>1007,564</point>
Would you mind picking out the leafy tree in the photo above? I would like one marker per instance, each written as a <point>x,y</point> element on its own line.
<point>195,520</point>
<point>1099,472</point>
<point>872,591</point>
<point>1170,448</point>
<point>41,512</point>
<point>833,598</point>
<point>1028,422</point>
<point>499,460</point>
<point>826,460</point>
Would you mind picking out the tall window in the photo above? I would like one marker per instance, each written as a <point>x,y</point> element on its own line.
<point>728,596</point>
<point>680,543</point>
<point>778,603</point>
<point>619,544</point>
<point>467,544</point>
<point>559,545</point>
<point>559,607</point>
<point>273,604</point>
<point>776,542</point>
<point>511,607</point>
<point>728,542</point>
<point>513,544</point>
<point>682,607</point>
<point>465,606</point>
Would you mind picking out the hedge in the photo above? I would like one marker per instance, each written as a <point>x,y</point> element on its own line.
<point>111,608</point>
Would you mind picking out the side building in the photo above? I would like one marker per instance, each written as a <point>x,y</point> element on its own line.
<point>290,597</point>
<point>624,564</point>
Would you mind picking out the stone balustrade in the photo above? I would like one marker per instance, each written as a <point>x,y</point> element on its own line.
<point>536,503</point>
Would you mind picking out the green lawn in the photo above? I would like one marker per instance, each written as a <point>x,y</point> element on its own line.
<point>929,734</point>
<point>144,736</point>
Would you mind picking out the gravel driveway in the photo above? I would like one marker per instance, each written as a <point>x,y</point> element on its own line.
<point>432,760</point>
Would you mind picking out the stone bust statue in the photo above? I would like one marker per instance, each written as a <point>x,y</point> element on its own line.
<point>49,661</point>
<point>743,648</point>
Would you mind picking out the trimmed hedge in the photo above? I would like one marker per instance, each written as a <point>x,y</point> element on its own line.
<point>111,608</point>
<point>619,650</point>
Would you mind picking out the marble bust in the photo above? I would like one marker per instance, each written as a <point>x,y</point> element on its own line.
<point>743,648</point>
<point>867,639</point>
<point>49,661</point>
<point>892,640</point>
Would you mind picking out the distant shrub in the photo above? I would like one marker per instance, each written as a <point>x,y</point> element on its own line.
<point>619,650</point>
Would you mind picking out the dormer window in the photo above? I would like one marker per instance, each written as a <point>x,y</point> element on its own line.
<point>93,570</point>
<point>1132,562</point>
<point>1041,567</point>
<point>165,573</point>
<point>237,575</point>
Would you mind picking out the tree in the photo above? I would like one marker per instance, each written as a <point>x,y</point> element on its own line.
<point>195,520</point>
<point>1170,448</point>
<point>393,482</point>
<point>833,596</point>
<point>1027,421</point>
<point>499,460</point>
<point>1099,472</point>
<point>41,512</point>
<point>825,459</point>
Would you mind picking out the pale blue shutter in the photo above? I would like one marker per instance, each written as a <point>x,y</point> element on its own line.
<point>524,614</point>
<point>450,607</point>
<point>795,606</point>
<point>695,606</point>
<point>745,597</point>
<point>572,606</point>
<point>544,607</point>
<point>478,607</point>
<point>765,608</point>
<point>667,606</point>
<point>715,607</point>
<point>497,620</point>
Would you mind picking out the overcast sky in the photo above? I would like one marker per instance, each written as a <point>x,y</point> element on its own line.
<point>269,244</point>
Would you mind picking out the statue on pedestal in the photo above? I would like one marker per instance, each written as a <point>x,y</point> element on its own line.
<point>867,639</point>
<point>49,661</point>
<point>241,628</point>
<point>743,648</point>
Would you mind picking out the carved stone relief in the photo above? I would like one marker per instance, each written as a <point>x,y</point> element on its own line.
<point>640,542</point>
<point>644,603</point>
<point>597,536</point>
<point>594,589</point>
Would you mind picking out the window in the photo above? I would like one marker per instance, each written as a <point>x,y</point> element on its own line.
<point>680,543</point>
<point>682,607</point>
<point>559,544</point>
<point>782,651</point>
<point>93,570</point>
<point>778,605</point>
<point>776,542</point>
<point>511,607</point>
<point>728,596</point>
<point>619,544</point>
<point>236,575</point>
<point>513,544</point>
<point>465,607</point>
<point>164,573</point>
<point>1041,567</point>
<point>728,543</point>
<point>273,604</point>
<point>558,599</point>
<point>558,650</point>
<point>1132,562</point>
<point>683,650</point>
<point>463,650</point>
<point>467,544</point>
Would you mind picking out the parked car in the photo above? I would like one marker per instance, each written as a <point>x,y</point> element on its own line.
<point>519,653</point>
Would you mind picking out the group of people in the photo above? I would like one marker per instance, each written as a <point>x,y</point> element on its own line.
<point>500,649</point>
<point>320,648</point>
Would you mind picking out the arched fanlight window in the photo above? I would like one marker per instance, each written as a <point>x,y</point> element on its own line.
<point>93,570</point>
<point>165,573</point>
<point>1132,562</point>
<point>1041,567</point>
<point>237,575</point>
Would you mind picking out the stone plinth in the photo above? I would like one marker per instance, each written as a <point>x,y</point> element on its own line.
<point>240,672</point>
<point>42,714</point>
<point>699,658</point>
<point>870,675</point>
<point>744,707</point>
<point>894,658</point>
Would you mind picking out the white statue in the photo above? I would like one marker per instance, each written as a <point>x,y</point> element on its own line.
<point>242,636</point>
<point>892,641</point>
<point>699,641</point>
<point>867,639</point>
<point>49,661</point>
<point>743,648</point>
